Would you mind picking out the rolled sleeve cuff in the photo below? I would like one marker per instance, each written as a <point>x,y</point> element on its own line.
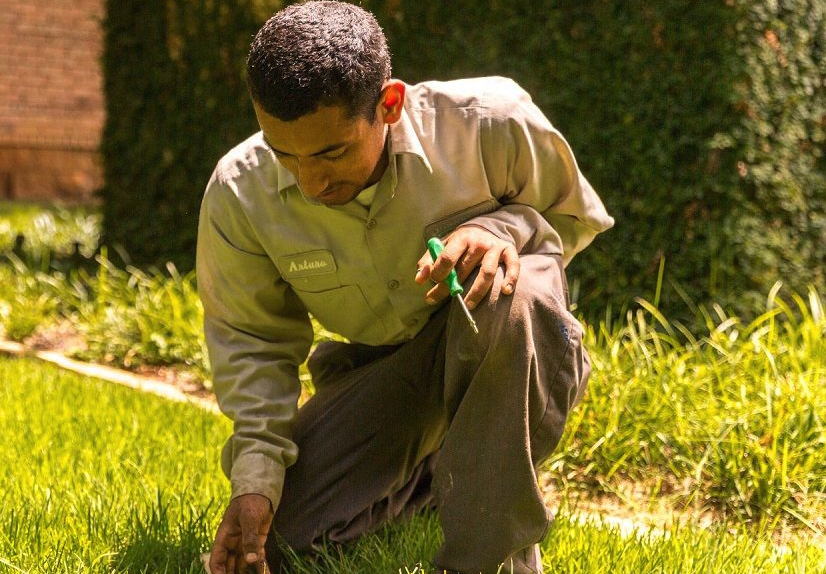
<point>523,226</point>
<point>255,473</point>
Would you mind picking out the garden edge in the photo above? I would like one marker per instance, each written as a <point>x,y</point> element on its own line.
<point>110,374</point>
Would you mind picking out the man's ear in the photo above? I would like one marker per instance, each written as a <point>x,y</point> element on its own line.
<point>391,101</point>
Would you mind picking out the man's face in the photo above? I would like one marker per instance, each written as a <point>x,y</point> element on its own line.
<point>333,157</point>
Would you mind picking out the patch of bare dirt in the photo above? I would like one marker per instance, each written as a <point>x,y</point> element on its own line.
<point>66,339</point>
<point>62,337</point>
<point>183,380</point>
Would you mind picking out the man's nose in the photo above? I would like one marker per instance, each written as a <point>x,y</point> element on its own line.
<point>312,178</point>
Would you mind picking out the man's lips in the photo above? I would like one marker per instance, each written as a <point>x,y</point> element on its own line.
<point>337,195</point>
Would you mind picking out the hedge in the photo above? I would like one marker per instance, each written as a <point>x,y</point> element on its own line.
<point>701,124</point>
<point>176,101</point>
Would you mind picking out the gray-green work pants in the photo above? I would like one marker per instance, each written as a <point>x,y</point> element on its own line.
<point>449,420</point>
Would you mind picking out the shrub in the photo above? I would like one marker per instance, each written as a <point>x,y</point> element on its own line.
<point>700,124</point>
<point>176,101</point>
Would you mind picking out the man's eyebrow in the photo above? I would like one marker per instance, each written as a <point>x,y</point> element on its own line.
<point>325,150</point>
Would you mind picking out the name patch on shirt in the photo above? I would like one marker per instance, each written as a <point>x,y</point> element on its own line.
<point>308,263</point>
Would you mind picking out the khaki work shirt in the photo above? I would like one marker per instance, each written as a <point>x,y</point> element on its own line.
<point>467,152</point>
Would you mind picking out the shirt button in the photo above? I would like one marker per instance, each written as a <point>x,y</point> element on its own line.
<point>371,224</point>
<point>412,322</point>
<point>392,285</point>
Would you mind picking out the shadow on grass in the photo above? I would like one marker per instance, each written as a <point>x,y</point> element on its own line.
<point>160,540</point>
<point>400,548</point>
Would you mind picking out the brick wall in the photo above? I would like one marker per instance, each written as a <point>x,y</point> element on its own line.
<point>51,101</point>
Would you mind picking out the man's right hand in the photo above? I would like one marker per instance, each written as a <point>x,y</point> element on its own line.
<point>239,542</point>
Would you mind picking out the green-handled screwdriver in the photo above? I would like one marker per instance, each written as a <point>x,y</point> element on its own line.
<point>434,246</point>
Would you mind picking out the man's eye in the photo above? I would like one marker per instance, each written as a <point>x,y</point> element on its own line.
<point>335,156</point>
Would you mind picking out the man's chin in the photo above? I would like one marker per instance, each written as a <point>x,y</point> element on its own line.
<point>337,197</point>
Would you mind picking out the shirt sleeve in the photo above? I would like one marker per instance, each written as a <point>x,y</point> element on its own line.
<point>532,168</point>
<point>257,334</point>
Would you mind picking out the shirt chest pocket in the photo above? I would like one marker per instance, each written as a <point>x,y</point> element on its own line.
<point>316,283</point>
<point>341,308</point>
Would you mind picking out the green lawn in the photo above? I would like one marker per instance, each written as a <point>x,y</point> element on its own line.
<point>97,478</point>
<point>730,420</point>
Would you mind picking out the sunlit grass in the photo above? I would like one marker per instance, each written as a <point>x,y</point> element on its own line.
<point>48,231</point>
<point>99,479</point>
<point>575,548</point>
<point>733,419</point>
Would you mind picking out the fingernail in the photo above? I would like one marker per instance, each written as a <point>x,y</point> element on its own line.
<point>429,301</point>
<point>251,557</point>
<point>508,289</point>
<point>471,305</point>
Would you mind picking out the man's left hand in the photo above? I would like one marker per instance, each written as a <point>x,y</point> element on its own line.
<point>466,249</point>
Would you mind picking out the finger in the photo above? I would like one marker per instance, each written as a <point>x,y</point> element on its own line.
<point>484,279</point>
<point>436,294</point>
<point>512,269</point>
<point>231,564</point>
<point>226,539</point>
<point>423,268</point>
<point>252,544</point>
<point>469,261</point>
<point>263,534</point>
<point>447,260</point>
<point>218,560</point>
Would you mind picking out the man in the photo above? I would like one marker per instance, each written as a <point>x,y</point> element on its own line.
<point>326,211</point>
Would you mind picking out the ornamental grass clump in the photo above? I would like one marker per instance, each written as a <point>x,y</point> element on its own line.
<point>732,420</point>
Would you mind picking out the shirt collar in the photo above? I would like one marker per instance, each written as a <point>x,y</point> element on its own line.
<point>403,139</point>
<point>285,177</point>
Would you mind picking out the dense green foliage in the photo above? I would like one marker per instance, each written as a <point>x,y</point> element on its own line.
<point>176,101</point>
<point>52,274</point>
<point>55,281</point>
<point>701,125</point>
<point>779,227</point>
<point>732,420</point>
<point>45,236</point>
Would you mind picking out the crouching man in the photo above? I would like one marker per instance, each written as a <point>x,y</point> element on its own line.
<point>326,212</point>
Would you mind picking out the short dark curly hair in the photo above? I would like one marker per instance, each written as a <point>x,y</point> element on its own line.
<point>316,54</point>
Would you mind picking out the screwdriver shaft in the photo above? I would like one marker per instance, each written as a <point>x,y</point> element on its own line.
<point>467,314</point>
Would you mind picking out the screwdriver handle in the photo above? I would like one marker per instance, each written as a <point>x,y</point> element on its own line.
<point>435,247</point>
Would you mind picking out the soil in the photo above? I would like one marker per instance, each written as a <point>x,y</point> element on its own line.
<point>65,338</point>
